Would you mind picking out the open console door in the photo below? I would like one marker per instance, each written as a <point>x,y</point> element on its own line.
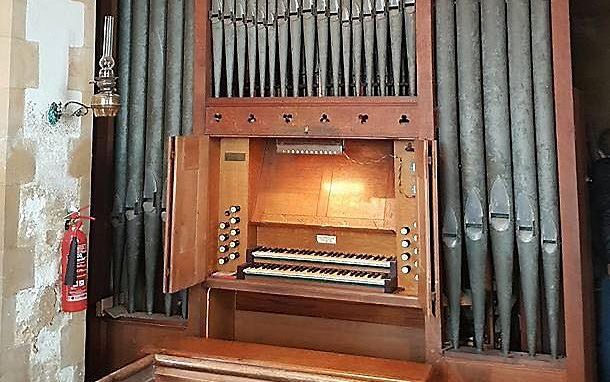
<point>187,213</point>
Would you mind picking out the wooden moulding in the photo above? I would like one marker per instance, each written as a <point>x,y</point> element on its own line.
<point>577,266</point>
<point>279,363</point>
<point>285,288</point>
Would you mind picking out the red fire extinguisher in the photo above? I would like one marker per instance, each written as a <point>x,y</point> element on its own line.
<point>74,263</point>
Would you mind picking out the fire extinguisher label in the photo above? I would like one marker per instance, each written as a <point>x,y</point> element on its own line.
<point>78,291</point>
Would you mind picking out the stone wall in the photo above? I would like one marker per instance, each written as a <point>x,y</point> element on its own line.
<point>46,55</point>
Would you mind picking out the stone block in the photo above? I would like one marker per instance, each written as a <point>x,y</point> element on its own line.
<point>20,165</point>
<point>6,15</point>
<point>7,330</point>
<point>24,64</point>
<point>15,364</point>
<point>12,201</point>
<point>72,340</point>
<point>16,110</point>
<point>80,158</point>
<point>18,266</point>
<point>81,68</point>
<point>5,61</point>
<point>19,14</point>
<point>4,108</point>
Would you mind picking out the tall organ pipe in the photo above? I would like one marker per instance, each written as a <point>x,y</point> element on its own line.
<point>346,36</point>
<point>410,43</point>
<point>188,67</point>
<point>173,85</point>
<point>240,36</point>
<point>252,44</point>
<point>322,26</point>
<point>395,19</point>
<point>295,43</point>
<point>498,150</point>
<point>381,22</point>
<point>229,43</point>
<point>335,42</point>
<point>309,41</point>
<point>217,42</point>
<point>272,42</point>
<point>472,150</point>
<point>154,148</point>
<point>449,159</point>
<point>135,143</point>
<point>261,34</point>
<point>120,150</point>
<point>357,44</point>
<point>547,163</point>
<point>524,159</point>
<point>368,25</point>
<point>282,37</point>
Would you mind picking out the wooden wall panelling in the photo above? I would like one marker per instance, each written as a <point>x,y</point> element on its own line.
<point>220,321</point>
<point>342,310</point>
<point>186,233</point>
<point>233,190</point>
<point>340,336</point>
<point>481,370</point>
<point>407,193</point>
<point>350,241</point>
<point>577,267</point>
<point>433,308</point>
<point>383,115</point>
<point>328,190</point>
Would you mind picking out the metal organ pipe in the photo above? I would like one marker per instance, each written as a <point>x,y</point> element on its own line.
<point>217,42</point>
<point>368,25</point>
<point>120,151</point>
<point>381,22</point>
<point>295,43</point>
<point>357,44</point>
<point>252,45</point>
<point>272,42</point>
<point>346,29</point>
<point>395,18</point>
<point>173,82</point>
<point>282,32</point>
<point>135,143</point>
<point>309,41</point>
<point>240,36</point>
<point>322,25</point>
<point>335,42</point>
<point>188,67</point>
<point>524,160</point>
<point>472,150</point>
<point>498,150</point>
<point>410,43</point>
<point>229,43</point>
<point>261,34</point>
<point>449,159</point>
<point>154,147</point>
<point>546,159</point>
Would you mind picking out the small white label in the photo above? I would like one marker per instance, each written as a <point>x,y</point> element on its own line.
<point>326,239</point>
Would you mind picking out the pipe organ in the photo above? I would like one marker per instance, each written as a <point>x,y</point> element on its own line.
<point>382,178</point>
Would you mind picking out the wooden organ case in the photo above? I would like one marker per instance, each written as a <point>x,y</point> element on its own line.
<point>308,218</point>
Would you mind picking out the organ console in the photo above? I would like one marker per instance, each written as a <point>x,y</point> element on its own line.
<point>304,210</point>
